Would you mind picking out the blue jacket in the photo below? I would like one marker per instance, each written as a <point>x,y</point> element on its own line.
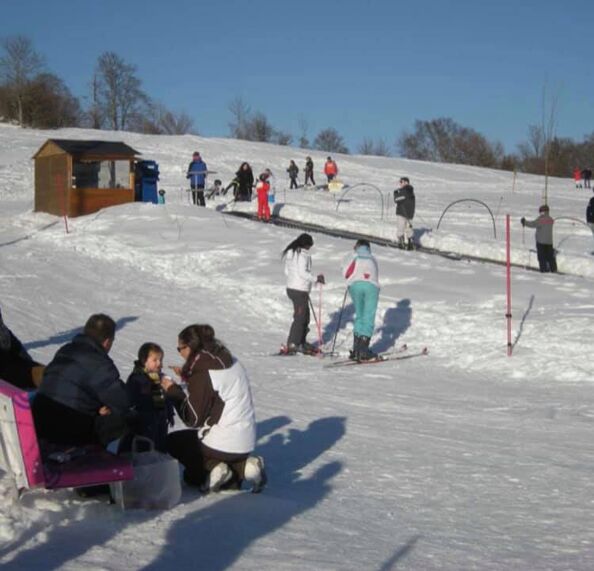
<point>197,174</point>
<point>83,377</point>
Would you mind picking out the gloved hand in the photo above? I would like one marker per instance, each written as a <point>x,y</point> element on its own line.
<point>321,279</point>
<point>523,221</point>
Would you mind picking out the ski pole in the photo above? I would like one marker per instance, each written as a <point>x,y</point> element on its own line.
<point>317,322</point>
<point>339,320</point>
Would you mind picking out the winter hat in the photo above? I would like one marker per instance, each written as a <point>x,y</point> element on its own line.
<point>196,155</point>
<point>543,208</point>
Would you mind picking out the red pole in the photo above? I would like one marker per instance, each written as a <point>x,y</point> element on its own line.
<point>508,315</point>
<point>320,339</point>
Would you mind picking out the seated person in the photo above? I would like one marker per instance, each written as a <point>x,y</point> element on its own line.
<point>16,365</point>
<point>81,399</point>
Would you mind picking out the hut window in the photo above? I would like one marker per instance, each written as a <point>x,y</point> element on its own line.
<point>101,174</point>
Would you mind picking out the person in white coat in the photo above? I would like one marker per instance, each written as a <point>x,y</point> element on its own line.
<point>298,269</point>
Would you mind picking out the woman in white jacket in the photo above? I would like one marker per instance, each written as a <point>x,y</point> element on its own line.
<point>299,281</point>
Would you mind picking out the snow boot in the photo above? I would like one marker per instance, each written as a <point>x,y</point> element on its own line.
<point>218,476</point>
<point>410,245</point>
<point>365,354</point>
<point>254,472</point>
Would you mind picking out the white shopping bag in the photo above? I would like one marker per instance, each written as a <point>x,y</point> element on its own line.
<point>156,483</point>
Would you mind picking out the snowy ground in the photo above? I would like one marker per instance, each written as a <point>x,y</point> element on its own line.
<point>465,459</point>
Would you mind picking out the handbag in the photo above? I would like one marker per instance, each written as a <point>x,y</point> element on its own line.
<point>156,483</point>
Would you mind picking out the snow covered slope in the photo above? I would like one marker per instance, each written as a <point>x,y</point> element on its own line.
<point>465,459</point>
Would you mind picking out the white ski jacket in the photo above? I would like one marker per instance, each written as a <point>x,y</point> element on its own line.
<point>362,267</point>
<point>298,270</point>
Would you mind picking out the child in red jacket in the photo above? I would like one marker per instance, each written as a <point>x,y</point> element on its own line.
<point>262,189</point>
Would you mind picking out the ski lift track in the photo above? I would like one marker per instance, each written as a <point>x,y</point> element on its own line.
<point>347,235</point>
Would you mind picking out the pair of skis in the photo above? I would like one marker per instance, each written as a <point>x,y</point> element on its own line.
<point>397,355</point>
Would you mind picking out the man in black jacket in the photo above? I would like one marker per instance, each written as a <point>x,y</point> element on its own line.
<point>81,399</point>
<point>404,198</point>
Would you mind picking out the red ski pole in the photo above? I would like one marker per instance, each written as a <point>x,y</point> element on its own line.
<point>508,315</point>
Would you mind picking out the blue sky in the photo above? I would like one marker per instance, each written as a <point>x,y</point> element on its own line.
<point>368,69</point>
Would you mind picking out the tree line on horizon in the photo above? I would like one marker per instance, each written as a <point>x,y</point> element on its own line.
<point>32,96</point>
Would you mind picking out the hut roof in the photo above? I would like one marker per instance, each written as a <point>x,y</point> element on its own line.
<point>81,148</point>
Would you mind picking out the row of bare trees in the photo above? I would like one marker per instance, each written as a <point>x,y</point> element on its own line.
<point>34,97</point>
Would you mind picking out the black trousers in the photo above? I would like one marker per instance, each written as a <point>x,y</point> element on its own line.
<point>60,424</point>
<point>309,177</point>
<point>300,325</point>
<point>198,459</point>
<point>198,196</point>
<point>546,258</point>
<point>293,183</point>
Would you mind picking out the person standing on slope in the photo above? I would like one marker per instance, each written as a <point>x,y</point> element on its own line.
<point>544,239</point>
<point>330,169</point>
<point>293,171</point>
<point>299,281</point>
<point>361,273</point>
<point>262,189</point>
<point>404,197</point>
<point>309,171</point>
<point>197,175</point>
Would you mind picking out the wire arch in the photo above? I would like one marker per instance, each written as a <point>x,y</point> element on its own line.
<point>348,189</point>
<point>469,200</point>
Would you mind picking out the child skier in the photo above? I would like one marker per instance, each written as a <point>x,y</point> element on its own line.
<point>262,189</point>
<point>361,273</point>
<point>154,411</point>
<point>544,239</point>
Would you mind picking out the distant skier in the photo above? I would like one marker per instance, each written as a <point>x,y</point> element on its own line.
<point>404,197</point>
<point>330,169</point>
<point>197,175</point>
<point>577,177</point>
<point>293,171</point>
<point>215,190</point>
<point>309,172</point>
<point>299,281</point>
<point>262,189</point>
<point>245,182</point>
<point>544,239</point>
<point>587,176</point>
<point>361,273</point>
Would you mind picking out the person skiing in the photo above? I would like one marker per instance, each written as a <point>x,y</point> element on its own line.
<point>544,239</point>
<point>309,172</point>
<point>587,177</point>
<point>262,189</point>
<point>361,273</point>
<point>404,197</point>
<point>219,412</point>
<point>297,265</point>
<point>577,177</point>
<point>293,171</point>
<point>197,174</point>
<point>330,169</point>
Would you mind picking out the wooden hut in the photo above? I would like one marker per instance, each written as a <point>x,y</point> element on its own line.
<point>73,178</point>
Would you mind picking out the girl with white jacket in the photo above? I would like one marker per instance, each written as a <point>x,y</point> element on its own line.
<point>299,281</point>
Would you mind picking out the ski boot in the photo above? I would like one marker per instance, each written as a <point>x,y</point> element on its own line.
<point>365,353</point>
<point>308,349</point>
<point>354,354</point>
<point>410,245</point>
<point>400,244</point>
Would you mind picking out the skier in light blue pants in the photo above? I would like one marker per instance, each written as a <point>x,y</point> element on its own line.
<point>361,273</point>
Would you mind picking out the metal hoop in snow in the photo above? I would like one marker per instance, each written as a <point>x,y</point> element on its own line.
<point>573,220</point>
<point>348,189</point>
<point>469,200</point>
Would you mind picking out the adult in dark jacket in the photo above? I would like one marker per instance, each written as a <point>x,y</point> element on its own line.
<point>293,171</point>
<point>81,399</point>
<point>197,171</point>
<point>16,365</point>
<point>587,177</point>
<point>404,197</point>
<point>590,212</point>
<point>309,170</point>
<point>245,182</point>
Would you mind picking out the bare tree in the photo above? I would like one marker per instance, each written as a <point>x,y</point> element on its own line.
<point>303,129</point>
<point>330,141</point>
<point>549,121</point>
<point>19,64</point>
<point>240,113</point>
<point>120,95</point>
<point>379,148</point>
<point>158,120</point>
<point>49,103</point>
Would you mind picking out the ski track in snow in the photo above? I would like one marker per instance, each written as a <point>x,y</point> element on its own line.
<point>465,459</point>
